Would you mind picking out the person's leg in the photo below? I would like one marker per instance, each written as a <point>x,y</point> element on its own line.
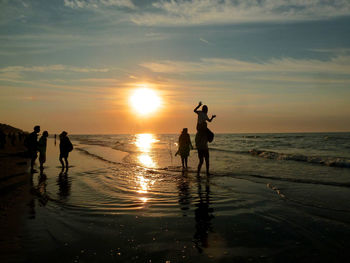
<point>207,161</point>
<point>183,162</point>
<point>41,161</point>
<point>66,160</point>
<point>34,156</point>
<point>186,162</point>
<point>200,157</point>
<point>61,161</point>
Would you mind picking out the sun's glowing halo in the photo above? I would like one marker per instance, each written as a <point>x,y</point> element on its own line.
<point>145,101</point>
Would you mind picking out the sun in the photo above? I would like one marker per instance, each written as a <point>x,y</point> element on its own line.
<point>145,101</point>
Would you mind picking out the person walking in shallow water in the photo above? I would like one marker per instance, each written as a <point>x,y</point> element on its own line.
<point>65,147</point>
<point>42,149</point>
<point>185,146</point>
<point>32,145</point>
<point>203,136</point>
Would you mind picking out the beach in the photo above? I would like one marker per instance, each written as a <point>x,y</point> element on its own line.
<point>14,197</point>
<point>106,208</point>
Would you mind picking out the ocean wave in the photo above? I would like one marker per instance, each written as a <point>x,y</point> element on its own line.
<point>225,150</point>
<point>285,179</point>
<point>328,161</point>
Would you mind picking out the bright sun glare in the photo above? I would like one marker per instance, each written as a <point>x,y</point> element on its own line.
<point>145,101</point>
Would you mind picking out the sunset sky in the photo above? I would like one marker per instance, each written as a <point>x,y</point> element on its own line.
<point>260,65</point>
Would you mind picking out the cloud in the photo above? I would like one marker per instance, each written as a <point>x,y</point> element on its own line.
<point>199,12</point>
<point>91,4</point>
<point>204,40</point>
<point>337,65</point>
<point>19,69</point>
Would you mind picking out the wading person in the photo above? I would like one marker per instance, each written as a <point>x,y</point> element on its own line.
<point>32,145</point>
<point>203,136</point>
<point>185,146</point>
<point>42,149</point>
<point>65,147</point>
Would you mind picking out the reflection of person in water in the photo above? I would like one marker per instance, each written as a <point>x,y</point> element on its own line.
<point>184,193</point>
<point>41,188</point>
<point>64,184</point>
<point>38,193</point>
<point>203,216</point>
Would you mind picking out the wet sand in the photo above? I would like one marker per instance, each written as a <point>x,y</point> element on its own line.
<point>103,211</point>
<point>14,199</point>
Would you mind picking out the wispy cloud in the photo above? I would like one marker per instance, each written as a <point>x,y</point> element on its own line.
<point>204,40</point>
<point>337,65</point>
<point>198,12</point>
<point>98,3</point>
<point>19,69</point>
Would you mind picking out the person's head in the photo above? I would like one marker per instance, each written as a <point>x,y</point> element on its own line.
<point>37,128</point>
<point>45,134</point>
<point>184,130</point>
<point>63,134</point>
<point>205,108</point>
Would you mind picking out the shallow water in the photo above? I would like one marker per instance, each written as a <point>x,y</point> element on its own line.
<point>113,206</point>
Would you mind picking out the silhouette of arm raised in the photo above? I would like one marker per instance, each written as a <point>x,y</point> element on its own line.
<point>196,108</point>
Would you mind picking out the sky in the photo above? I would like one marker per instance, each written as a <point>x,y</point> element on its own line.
<point>259,65</point>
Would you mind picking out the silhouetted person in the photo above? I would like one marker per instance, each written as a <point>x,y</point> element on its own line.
<point>2,139</point>
<point>203,151</point>
<point>203,136</point>
<point>13,139</point>
<point>65,147</point>
<point>32,145</point>
<point>20,135</point>
<point>185,146</point>
<point>42,149</point>
<point>55,139</point>
<point>202,117</point>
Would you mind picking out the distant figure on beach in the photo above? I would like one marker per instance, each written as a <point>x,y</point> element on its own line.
<point>203,136</point>
<point>55,139</point>
<point>42,149</point>
<point>65,148</point>
<point>31,143</point>
<point>185,146</point>
<point>13,139</point>
<point>2,139</point>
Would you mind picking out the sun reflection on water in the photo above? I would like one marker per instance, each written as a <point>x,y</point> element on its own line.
<point>144,143</point>
<point>146,160</point>
<point>143,186</point>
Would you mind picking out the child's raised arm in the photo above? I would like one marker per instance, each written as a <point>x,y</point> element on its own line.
<point>196,108</point>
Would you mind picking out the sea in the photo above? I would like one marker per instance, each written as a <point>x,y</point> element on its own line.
<point>125,198</point>
<point>319,158</point>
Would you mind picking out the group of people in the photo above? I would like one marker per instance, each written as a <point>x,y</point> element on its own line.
<point>34,146</point>
<point>203,136</point>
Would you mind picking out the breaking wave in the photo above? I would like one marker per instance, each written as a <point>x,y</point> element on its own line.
<point>328,161</point>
